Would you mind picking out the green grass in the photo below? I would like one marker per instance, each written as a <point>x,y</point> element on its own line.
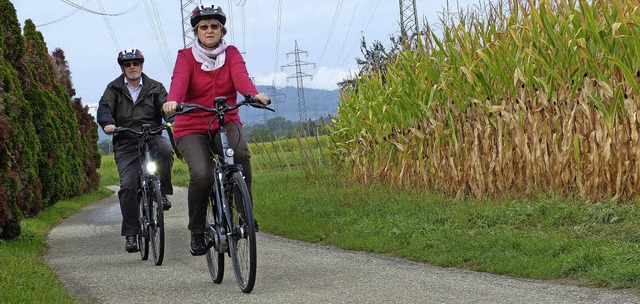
<point>542,238</point>
<point>24,276</point>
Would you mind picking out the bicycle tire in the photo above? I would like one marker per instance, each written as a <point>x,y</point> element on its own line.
<point>143,220</point>
<point>215,259</point>
<point>242,241</point>
<point>156,223</point>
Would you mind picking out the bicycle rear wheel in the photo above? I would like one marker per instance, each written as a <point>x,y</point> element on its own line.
<point>143,220</point>
<point>156,223</point>
<point>242,243</point>
<point>215,259</point>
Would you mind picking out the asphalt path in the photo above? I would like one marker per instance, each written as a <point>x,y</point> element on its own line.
<point>87,253</point>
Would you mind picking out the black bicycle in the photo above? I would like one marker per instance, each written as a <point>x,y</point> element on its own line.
<point>231,228</point>
<point>150,212</point>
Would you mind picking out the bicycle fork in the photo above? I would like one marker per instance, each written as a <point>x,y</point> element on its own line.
<point>217,234</point>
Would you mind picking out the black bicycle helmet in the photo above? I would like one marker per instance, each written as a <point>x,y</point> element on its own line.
<point>130,54</point>
<point>207,11</point>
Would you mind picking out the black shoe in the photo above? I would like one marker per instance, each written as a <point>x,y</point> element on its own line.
<point>166,203</point>
<point>131,245</point>
<point>198,245</point>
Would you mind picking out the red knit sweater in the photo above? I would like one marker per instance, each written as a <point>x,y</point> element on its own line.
<point>191,84</point>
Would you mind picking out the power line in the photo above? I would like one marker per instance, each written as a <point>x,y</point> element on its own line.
<point>109,28</point>
<point>81,7</point>
<point>355,9</point>
<point>63,17</point>
<point>277,53</point>
<point>158,33</point>
<point>331,29</point>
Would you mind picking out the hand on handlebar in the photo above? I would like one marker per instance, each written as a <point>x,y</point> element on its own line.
<point>263,98</point>
<point>109,129</point>
<point>169,107</point>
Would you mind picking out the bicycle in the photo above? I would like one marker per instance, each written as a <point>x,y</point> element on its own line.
<point>150,211</point>
<point>231,227</point>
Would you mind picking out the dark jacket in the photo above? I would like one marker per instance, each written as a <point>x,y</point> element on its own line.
<point>117,108</point>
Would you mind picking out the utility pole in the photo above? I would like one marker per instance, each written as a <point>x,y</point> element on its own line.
<point>188,38</point>
<point>408,21</point>
<point>302,107</point>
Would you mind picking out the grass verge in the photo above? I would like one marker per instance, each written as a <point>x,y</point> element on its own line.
<point>24,275</point>
<point>540,238</point>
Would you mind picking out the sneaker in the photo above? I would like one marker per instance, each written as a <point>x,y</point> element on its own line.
<point>166,203</point>
<point>131,244</point>
<point>198,245</point>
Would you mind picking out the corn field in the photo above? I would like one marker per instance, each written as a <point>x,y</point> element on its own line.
<point>514,98</point>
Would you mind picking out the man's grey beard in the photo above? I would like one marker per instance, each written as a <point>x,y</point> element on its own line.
<point>133,75</point>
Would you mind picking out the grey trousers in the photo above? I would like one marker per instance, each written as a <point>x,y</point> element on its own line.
<point>128,163</point>
<point>196,152</point>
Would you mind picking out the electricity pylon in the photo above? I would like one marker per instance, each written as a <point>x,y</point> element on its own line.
<point>408,21</point>
<point>299,75</point>
<point>188,37</point>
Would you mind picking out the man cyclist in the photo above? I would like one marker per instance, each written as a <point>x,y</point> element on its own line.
<point>131,100</point>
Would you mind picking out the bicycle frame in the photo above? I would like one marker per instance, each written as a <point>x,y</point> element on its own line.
<point>223,166</point>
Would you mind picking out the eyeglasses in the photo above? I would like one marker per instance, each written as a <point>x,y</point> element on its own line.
<point>129,63</point>
<point>204,27</point>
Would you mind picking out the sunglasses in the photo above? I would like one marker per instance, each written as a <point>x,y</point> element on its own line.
<point>129,63</point>
<point>204,27</point>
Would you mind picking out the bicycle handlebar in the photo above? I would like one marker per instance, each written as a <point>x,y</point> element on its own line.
<point>146,129</point>
<point>221,106</point>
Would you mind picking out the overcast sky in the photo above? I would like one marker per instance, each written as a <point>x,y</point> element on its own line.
<point>328,30</point>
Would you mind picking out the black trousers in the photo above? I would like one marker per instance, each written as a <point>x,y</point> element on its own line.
<point>196,152</point>
<point>128,162</point>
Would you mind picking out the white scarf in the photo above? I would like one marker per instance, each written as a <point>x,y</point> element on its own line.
<point>210,59</point>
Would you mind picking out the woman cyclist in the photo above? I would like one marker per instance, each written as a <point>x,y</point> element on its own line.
<point>210,68</point>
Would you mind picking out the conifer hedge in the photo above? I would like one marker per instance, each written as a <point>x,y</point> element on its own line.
<point>48,142</point>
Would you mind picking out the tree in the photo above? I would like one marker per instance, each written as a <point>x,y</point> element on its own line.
<point>375,61</point>
<point>46,152</point>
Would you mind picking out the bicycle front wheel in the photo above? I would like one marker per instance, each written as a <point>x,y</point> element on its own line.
<point>143,222</point>
<point>156,223</point>
<point>242,242</point>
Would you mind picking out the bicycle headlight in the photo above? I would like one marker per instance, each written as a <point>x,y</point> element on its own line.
<point>229,153</point>
<point>151,167</point>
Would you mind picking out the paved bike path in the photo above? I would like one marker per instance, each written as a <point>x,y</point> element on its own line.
<point>87,252</point>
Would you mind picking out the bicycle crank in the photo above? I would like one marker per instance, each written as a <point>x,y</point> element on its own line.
<point>215,238</point>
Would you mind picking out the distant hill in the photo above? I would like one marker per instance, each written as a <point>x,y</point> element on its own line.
<point>285,102</point>
<point>319,103</point>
